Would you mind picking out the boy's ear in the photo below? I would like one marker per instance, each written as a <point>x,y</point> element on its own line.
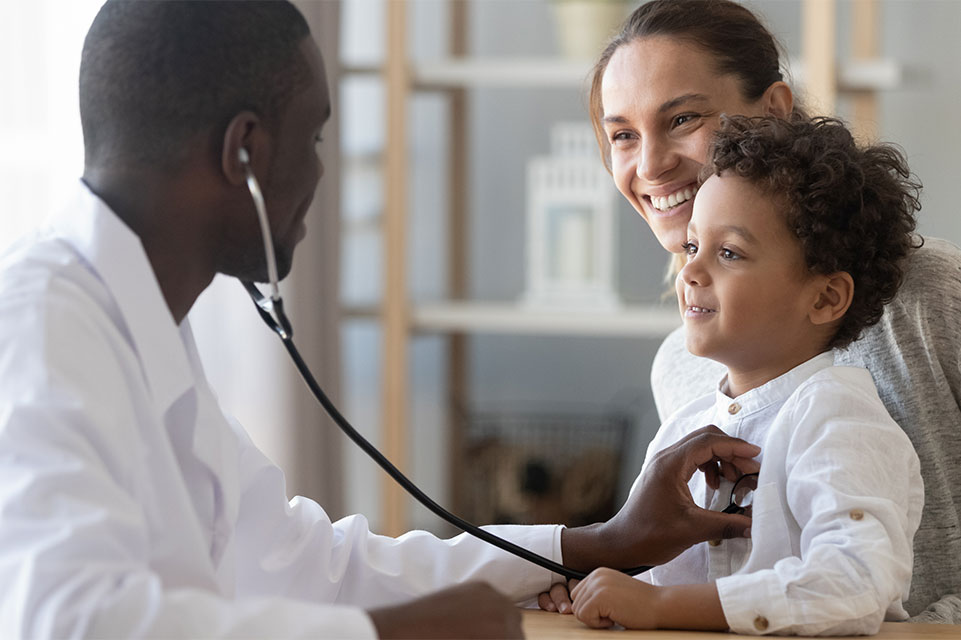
<point>833,298</point>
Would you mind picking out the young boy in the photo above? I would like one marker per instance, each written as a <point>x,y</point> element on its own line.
<point>794,247</point>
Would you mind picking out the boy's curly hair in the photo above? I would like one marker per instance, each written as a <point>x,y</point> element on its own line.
<point>851,207</point>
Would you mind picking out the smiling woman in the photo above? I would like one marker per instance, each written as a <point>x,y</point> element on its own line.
<point>658,91</point>
<point>657,94</point>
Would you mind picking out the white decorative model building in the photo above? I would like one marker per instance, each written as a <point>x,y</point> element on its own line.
<point>571,254</point>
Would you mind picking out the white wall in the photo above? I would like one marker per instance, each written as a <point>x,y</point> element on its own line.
<point>42,145</point>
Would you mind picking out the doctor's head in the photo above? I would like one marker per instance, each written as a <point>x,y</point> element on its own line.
<point>177,88</point>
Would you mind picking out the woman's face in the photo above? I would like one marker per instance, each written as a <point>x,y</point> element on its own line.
<point>662,101</point>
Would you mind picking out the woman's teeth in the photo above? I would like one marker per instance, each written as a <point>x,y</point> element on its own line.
<point>663,203</point>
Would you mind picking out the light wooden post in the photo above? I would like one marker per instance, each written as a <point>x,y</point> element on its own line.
<point>394,307</point>
<point>457,259</point>
<point>819,55</point>
<point>865,24</point>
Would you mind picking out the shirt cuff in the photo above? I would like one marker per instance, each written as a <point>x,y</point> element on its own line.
<point>745,611</point>
<point>523,579</point>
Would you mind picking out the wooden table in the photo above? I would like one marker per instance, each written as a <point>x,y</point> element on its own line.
<point>541,625</point>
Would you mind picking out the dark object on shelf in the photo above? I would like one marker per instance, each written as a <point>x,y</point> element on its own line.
<point>529,468</point>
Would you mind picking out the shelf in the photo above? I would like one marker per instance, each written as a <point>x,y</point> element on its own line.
<point>639,321</point>
<point>544,73</point>
<point>876,74</point>
<point>870,75</point>
<point>447,73</point>
<point>531,73</point>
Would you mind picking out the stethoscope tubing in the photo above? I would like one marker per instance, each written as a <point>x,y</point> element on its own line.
<point>271,310</point>
<point>286,338</point>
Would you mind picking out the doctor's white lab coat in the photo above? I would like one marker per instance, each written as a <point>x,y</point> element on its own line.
<point>131,506</point>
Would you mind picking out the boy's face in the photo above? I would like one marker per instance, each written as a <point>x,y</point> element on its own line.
<point>745,291</point>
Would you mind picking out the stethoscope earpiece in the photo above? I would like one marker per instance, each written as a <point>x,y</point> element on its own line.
<point>258,197</point>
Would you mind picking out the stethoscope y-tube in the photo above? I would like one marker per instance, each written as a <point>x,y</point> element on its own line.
<point>271,310</point>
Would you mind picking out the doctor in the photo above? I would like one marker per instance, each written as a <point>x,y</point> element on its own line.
<point>130,505</point>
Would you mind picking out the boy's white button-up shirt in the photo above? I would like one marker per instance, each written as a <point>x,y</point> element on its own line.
<point>130,505</point>
<point>837,504</point>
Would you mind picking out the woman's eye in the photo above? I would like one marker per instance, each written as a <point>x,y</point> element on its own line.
<point>684,118</point>
<point>689,248</point>
<point>620,137</point>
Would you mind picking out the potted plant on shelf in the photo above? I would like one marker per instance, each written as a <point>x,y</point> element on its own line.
<point>583,26</point>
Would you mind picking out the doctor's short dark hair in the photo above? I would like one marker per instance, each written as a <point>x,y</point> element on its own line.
<point>156,73</point>
<point>852,208</point>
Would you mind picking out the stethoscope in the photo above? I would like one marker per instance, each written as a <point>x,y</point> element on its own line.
<point>271,309</point>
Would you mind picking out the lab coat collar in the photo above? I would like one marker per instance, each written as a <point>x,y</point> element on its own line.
<point>774,391</point>
<point>117,256</point>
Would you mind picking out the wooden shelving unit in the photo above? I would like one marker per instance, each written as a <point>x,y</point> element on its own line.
<point>638,321</point>
<point>823,78</point>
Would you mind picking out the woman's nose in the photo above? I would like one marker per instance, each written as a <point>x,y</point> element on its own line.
<point>656,158</point>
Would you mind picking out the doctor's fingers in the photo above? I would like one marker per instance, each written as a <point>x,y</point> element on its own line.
<point>730,470</point>
<point>708,444</point>
<point>711,475</point>
<point>712,525</point>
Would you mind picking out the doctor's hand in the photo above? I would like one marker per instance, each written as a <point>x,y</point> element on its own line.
<point>660,518</point>
<point>469,610</point>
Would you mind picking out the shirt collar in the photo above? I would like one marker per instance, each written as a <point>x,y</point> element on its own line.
<point>115,253</point>
<point>776,390</point>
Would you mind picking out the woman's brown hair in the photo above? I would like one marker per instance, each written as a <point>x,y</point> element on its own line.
<point>734,37</point>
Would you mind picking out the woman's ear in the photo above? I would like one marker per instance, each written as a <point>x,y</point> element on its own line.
<point>244,144</point>
<point>778,100</point>
<point>836,291</point>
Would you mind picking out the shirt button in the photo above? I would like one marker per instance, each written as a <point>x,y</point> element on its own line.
<point>733,408</point>
<point>856,514</point>
<point>761,623</point>
<point>714,543</point>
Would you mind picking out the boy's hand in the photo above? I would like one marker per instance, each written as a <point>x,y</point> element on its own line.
<point>607,597</point>
<point>660,519</point>
<point>558,599</point>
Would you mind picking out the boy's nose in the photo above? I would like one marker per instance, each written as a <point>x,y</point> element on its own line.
<point>692,274</point>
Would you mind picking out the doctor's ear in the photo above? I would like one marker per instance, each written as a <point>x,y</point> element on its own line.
<point>836,291</point>
<point>245,145</point>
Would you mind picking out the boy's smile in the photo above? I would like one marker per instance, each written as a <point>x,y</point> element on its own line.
<point>745,293</point>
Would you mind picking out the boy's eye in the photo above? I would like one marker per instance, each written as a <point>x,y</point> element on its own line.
<point>689,248</point>
<point>727,254</point>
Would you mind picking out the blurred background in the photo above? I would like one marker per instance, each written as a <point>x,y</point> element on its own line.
<point>423,295</point>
